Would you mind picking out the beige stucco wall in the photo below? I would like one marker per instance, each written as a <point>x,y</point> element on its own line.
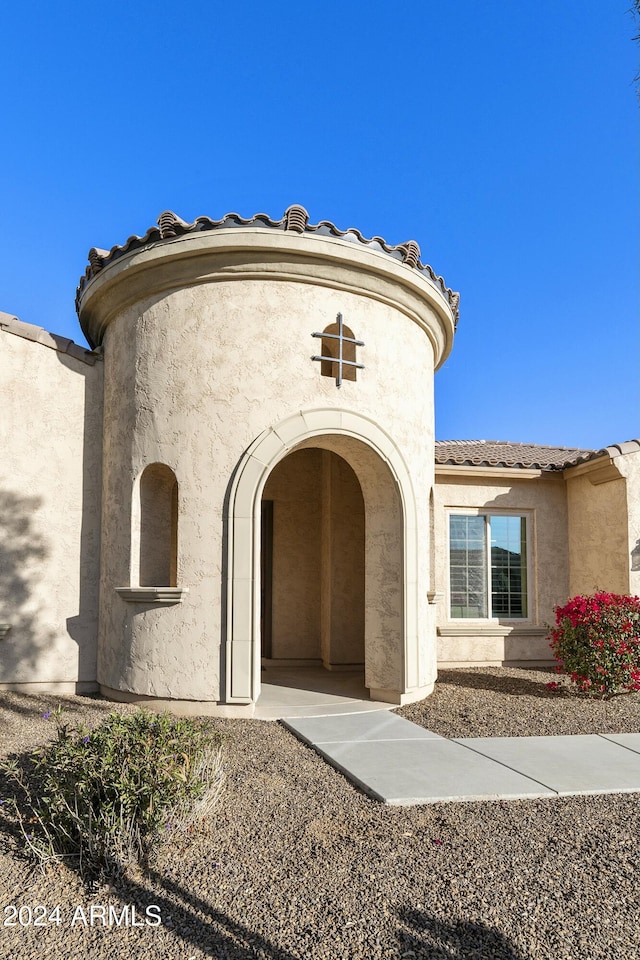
<point>50,477</point>
<point>344,561</point>
<point>195,373</point>
<point>295,486</point>
<point>603,499</point>
<point>318,559</point>
<point>542,499</point>
<point>629,465</point>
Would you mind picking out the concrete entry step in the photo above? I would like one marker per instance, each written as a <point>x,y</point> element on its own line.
<point>313,692</point>
<point>398,762</point>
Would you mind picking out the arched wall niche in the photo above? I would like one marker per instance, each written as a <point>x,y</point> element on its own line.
<point>391,589</point>
<point>154,535</point>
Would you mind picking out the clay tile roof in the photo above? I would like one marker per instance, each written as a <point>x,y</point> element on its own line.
<point>500,453</point>
<point>295,218</point>
<point>29,331</point>
<point>620,449</point>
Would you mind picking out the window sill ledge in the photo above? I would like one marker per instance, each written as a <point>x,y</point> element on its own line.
<point>152,594</point>
<point>476,629</point>
<point>4,630</point>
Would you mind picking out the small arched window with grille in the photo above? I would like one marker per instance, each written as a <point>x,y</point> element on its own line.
<point>158,527</point>
<point>338,356</point>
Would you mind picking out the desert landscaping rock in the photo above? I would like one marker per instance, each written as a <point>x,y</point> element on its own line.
<point>480,702</point>
<point>298,864</point>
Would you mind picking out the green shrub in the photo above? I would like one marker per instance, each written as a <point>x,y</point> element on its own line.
<point>108,796</point>
<point>596,641</point>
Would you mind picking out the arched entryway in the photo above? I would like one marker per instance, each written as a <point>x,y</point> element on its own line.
<point>313,563</point>
<point>390,550</point>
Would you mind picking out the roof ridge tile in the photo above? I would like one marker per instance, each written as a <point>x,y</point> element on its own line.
<point>295,218</point>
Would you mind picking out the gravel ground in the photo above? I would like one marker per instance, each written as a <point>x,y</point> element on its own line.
<point>499,702</point>
<point>298,864</point>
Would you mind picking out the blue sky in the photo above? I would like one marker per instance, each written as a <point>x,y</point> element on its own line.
<point>501,135</point>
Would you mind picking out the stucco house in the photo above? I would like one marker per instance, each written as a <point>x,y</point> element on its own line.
<point>242,470</point>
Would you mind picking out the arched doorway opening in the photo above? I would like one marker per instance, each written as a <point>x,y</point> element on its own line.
<point>313,563</point>
<point>396,671</point>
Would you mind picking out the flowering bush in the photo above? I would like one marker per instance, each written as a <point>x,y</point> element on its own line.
<point>596,641</point>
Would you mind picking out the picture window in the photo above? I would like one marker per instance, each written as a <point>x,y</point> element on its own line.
<point>488,566</point>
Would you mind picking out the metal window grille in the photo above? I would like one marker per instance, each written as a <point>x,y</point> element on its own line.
<point>340,361</point>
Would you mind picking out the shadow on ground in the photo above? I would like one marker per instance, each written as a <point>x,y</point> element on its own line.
<point>33,705</point>
<point>428,937</point>
<point>499,683</point>
<point>201,926</point>
<point>202,929</point>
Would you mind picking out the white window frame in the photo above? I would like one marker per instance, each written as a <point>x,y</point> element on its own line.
<point>527,516</point>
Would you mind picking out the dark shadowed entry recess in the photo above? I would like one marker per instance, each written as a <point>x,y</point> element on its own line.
<point>312,562</point>
<point>266,577</point>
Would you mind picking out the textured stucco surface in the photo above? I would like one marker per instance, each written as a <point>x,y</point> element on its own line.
<point>395,638</point>
<point>602,521</point>
<point>629,465</point>
<point>193,376</point>
<point>543,501</point>
<point>295,486</point>
<point>385,627</point>
<point>208,340</point>
<point>50,477</point>
<point>155,517</point>
<point>344,559</point>
<point>318,559</point>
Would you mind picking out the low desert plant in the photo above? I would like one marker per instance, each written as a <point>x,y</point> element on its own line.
<point>596,641</point>
<point>109,795</point>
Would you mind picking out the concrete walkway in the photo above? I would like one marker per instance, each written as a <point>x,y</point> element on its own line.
<point>399,762</point>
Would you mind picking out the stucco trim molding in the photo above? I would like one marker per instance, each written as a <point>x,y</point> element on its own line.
<point>4,630</point>
<point>242,645</point>
<point>183,708</point>
<point>253,253</point>
<point>491,630</point>
<point>600,470</point>
<point>171,227</point>
<point>152,594</point>
<point>453,471</point>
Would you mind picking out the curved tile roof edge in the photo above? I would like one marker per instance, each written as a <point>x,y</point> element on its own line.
<point>518,455</point>
<point>29,331</point>
<point>169,226</point>
<point>620,449</point>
